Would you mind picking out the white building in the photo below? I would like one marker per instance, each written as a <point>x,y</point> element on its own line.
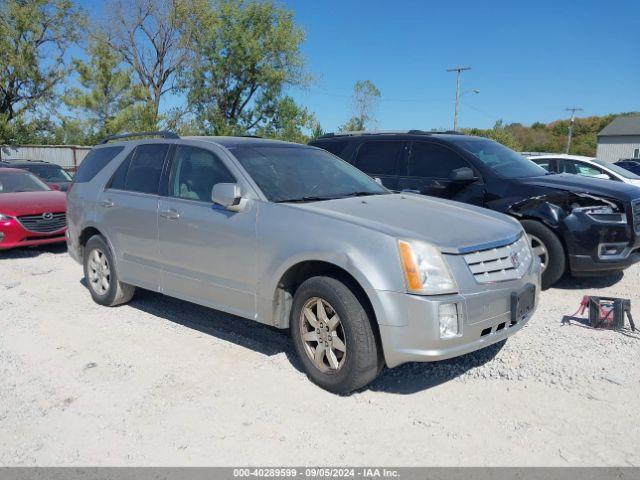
<point>620,139</point>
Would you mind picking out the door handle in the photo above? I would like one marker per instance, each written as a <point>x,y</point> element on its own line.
<point>170,214</point>
<point>106,203</point>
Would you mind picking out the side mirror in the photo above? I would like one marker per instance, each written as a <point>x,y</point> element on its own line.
<point>377,180</point>
<point>602,175</point>
<point>464,174</point>
<point>227,195</point>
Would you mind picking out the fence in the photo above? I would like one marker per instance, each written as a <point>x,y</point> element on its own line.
<point>67,156</point>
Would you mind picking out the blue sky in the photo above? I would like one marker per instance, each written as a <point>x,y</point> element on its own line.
<point>530,59</point>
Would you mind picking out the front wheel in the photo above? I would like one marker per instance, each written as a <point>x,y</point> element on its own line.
<point>333,336</point>
<point>548,248</point>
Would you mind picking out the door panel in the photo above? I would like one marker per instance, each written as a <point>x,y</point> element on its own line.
<point>208,252</point>
<point>429,169</point>
<point>129,209</point>
<point>382,159</point>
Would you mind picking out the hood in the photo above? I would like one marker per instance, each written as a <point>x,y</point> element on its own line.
<point>31,203</point>
<point>580,184</point>
<point>452,226</point>
<point>64,186</point>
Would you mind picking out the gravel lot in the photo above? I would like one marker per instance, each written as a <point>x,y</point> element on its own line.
<point>164,382</point>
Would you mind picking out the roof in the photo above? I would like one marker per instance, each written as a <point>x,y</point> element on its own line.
<point>560,155</point>
<point>621,126</point>
<point>244,141</point>
<point>411,134</point>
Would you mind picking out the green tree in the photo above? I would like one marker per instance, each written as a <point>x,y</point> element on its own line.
<point>499,133</point>
<point>289,122</point>
<point>364,102</point>
<point>34,37</point>
<point>107,99</point>
<point>244,56</point>
<point>153,38</point>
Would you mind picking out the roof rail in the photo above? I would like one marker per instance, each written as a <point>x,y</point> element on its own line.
<point>161,134</point>
<point>390,132</point>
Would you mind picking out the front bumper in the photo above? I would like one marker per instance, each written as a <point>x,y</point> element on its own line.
<point>588,240</point>
<point>13,235</point>
<point>486,320</point>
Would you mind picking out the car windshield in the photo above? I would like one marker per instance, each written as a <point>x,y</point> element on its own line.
<point>616,169</point>
<point>503,161</point>
<point>21,182</point>
<point>290,174</point>
<point>49,173</point>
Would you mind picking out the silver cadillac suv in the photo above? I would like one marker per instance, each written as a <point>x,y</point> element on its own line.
<point>292,236</point>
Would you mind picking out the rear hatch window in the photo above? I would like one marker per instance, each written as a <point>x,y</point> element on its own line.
<point>94,162</point>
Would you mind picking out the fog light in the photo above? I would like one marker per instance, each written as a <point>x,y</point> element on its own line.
<point>449,320</point>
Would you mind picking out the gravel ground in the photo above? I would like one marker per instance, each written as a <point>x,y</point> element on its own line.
<point>165,382</point>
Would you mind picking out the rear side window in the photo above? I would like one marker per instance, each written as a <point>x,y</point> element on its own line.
<point>433,161</point>
<point>94,162</point>
<point>145,168</point>
<point>379,158</point>
<point>332,147</point>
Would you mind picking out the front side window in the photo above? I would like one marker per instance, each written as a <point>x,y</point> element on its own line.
<point>544,163</point>
<point>194,173</point>
<point>303,174</point>
<point>379,158</point>
<point>21,182</point>
<point>433,161</point>
<point>579,168</point>
<point>502,161</point>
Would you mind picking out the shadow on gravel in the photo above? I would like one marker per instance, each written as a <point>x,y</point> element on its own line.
<point>31,252</point>
<point>579,283</point>
<point>405,379</point>
<point>240,331</point>
<point>413,377</point>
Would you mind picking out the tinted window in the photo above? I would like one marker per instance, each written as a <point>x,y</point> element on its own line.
<point>303,174</point>
<point>120,176</point>
<point>379,158</point>
<point>20,182</point>
<point>146,168</point>
<point>503,161</point>
<point>194,173</point>
<point>544,163</point>
<point>433,160</point>
<point>49,173</point>
<point>332,147</point>
<point>94,162</point>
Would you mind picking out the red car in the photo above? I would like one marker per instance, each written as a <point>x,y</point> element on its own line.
<point>31,213</point>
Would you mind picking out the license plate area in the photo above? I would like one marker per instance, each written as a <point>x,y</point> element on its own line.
<point>522,302</point>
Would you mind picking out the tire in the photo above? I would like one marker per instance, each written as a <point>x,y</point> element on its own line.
<point>337,371</point>
<point>99,266</point>
<point>545,242</point>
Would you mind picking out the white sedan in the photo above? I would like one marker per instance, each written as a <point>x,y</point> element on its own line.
<point>587,166</point>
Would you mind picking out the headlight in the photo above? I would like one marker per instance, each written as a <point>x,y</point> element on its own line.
<point>4,217</point>
<point>425,271</point>
<point>602,213</point>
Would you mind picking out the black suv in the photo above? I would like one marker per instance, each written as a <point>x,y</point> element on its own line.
<point>52,174</point>
<point>583,225</point>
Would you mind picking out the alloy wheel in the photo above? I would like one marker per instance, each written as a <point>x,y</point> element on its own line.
<point>540,251</point>
<point>99,271</point>
<point>323,335</point>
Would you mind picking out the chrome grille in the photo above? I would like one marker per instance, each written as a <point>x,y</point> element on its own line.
<point>44,222</point>
<point>635,213</point>
<point>500,264</point>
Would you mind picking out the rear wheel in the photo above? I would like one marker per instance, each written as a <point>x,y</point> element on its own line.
<point>333,336</point>
<point>101,276</point>
<point>548,248</point>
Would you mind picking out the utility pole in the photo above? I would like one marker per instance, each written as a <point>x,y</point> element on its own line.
<point>458,70</point>
<point>573,111</point>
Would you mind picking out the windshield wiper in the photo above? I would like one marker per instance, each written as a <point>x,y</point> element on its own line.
<point>304,199</point>
<point>360,194</point>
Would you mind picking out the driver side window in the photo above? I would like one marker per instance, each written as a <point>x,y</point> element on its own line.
<point>579,168</point>
<point>431,160</point>
<point>194,173</point>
